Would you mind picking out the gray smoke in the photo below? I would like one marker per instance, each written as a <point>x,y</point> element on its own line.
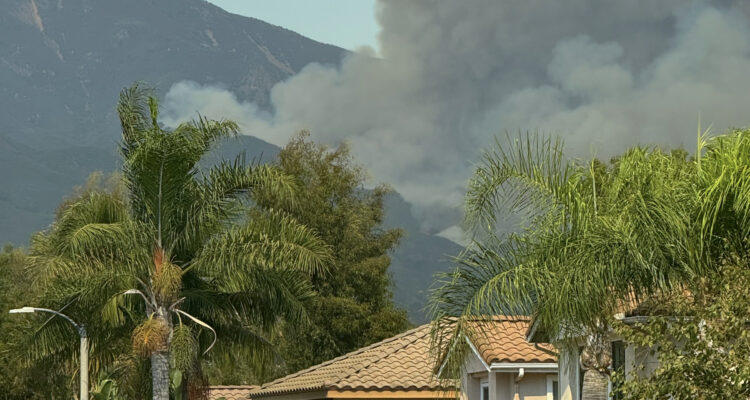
<point>451,75</point>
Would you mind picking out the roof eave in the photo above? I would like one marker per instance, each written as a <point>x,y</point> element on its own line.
<point>364,393</point>
<point>530,367</point>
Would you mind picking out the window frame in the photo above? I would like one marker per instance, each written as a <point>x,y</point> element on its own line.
<point>551,380</point>
<point>484,384</point>
<point>619,358</point>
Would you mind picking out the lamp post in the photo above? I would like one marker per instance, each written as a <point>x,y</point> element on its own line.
<point>84,375</point>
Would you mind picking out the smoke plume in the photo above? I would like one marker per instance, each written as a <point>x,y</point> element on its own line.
<point>451,75</point>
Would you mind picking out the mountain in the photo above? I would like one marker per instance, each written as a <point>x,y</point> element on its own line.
<point>417,259</point>
<point>63,63</point>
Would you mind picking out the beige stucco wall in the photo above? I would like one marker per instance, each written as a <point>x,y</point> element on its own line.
<point>533,387</point>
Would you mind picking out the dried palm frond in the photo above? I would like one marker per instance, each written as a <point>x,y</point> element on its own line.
<point>149,337</point>
<point>167,282</point>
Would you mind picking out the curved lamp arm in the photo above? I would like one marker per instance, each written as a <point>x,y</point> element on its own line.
<point>79,327</point>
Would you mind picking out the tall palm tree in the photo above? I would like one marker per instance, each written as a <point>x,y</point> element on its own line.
<point>176,257</point>
<point>594,235</point>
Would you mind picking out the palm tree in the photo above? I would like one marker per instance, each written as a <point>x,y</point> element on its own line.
<point>594,236</point>
<point>175,252</point>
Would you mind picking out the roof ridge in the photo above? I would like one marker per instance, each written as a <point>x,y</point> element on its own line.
<point>341,357</point>
<point>362,367</point>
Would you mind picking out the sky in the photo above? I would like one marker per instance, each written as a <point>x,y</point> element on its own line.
<point>452,77</point>
<point>344,23</point>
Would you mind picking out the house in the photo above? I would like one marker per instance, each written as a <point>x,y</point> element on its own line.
<point>621,355</point>
<point>502,366</point>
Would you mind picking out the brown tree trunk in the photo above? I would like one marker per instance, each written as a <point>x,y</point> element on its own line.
<point>594,385</point>
<point>596,358</point>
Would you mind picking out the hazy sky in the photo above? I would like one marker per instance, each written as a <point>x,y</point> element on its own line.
<point>345,23</point>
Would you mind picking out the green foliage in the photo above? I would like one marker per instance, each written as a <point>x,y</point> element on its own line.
<point>594,235</point>
<point>183,349</point>
<point>705,352</point>
<point>106,390</point>
<point>354,307</point>
<point>176,384</point>
<point>20,377</point>
<point>180,240</point>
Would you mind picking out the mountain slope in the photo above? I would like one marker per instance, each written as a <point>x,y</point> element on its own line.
<point>63,63</point>
<point>417,259</point>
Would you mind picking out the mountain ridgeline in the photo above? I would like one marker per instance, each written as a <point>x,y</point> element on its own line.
<point>63,63</point>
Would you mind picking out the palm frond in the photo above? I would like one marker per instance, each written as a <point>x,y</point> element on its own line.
<point>135,116</point>
<point>531,177</point>
<point>269,240</point>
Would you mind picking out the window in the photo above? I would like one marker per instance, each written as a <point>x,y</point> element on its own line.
<point>618,364</point>
<point>484,391</point>
<point>618,355</point>
<point>553,388</point>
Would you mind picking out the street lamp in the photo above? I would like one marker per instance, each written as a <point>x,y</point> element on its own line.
<point>84,345</point>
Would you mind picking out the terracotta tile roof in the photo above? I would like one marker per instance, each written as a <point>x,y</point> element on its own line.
<point>504,340</point>
<point>229,392</point>
<point>402,362</point>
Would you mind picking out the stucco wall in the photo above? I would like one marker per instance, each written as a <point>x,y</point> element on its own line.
<point>568,373</point>
<point>533,386</point>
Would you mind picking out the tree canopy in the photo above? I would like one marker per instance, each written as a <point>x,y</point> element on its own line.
<point>702,342</point>
<point>595,235</point>
<point>173,259</point>
<point>354,306</point>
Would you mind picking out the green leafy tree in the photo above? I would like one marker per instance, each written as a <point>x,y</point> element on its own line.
<point>594,236</point>
<point>702,342</point>
<point>173,260</point>
<point>354,307</point>
<point>16,288</point>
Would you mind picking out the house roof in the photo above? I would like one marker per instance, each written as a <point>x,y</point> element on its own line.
<point>400,363</point>
<point>503,340</point>
<point>404,362</point>
<point>229,392</point>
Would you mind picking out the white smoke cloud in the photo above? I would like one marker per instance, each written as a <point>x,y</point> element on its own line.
<point>452,75</point>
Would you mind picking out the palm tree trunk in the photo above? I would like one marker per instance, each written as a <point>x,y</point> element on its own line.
<point>160,375</point>
<point>594,385</point>
<point>160,362</point>
<point>596,358</point>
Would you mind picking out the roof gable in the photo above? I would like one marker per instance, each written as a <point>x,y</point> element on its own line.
<point>503,340</point>
<point>402,362</point>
